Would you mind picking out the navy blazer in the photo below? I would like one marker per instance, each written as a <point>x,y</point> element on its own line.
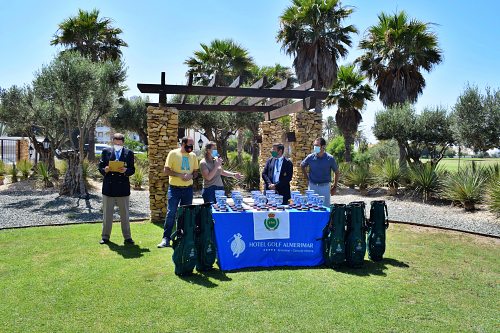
<point>116,184</point>
<point>286,173</point>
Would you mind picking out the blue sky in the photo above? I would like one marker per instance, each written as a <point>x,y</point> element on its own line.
<point>163,34</point>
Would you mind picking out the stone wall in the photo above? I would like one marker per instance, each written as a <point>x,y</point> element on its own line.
<point>271,132</point>
<point>22,149</point>
<point>308,126</point>
<point>162,137</point>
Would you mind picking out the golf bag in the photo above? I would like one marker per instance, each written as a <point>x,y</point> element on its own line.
<point>334,236</point>
<point>355,234</point>
<point>184,256</point>
<point>376,230</point>
<point>205,239</point>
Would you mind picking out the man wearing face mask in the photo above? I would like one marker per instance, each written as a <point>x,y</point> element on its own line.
<point>321,164</point>
<point>116,187</point>
<point>181,167</point>
<point>211,170</point>
<point>278,172</point>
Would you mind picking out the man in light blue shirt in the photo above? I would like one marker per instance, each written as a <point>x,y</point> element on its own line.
<point>321,164</point>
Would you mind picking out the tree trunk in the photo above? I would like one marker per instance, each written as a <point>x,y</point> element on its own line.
<point>348,141</point>
<point>255,151</point>
<point>143,136</point>
<point>402,155</point>
<point>91,151</point>
<point>74,183</point>
<point>240,145</point>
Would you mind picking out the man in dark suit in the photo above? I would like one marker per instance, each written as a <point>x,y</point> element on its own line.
<point>116,187</point>
<point>278,172</point>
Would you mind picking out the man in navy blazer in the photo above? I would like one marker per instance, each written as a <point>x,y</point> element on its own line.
<point>116,188</point>
<point>278,172</point>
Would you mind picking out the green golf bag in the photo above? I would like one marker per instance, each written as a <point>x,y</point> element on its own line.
<point>184,256</point>
<point>355,234</point>
<point>205,238</point>
<point>334,236</point>
<point>376,230</point>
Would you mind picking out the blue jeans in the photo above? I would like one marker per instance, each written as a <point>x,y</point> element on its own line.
<point>175,195</point>
<point>208,193</point>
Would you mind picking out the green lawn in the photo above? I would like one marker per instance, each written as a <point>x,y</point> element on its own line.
<point>451,164</point>
<point>59,279</point>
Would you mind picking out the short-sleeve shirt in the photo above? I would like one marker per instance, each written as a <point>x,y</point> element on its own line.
<point>181,163</point>
<point>320,168</point>
<point>210,165</point>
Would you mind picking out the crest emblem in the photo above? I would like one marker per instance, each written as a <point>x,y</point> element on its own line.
<point>271,223</point>
<point>237,245</point>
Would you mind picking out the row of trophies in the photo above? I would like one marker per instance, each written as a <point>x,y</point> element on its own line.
<point>269,201</point>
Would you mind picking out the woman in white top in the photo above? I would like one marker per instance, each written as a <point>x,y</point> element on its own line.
<point>211,170</point>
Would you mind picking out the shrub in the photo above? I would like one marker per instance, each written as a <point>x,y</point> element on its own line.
<point>424,178</point>
<point>42,172</point>
<point>138,178</point>
<point>251,176</point>
<point>494,196</point>
<point>24,167</point>
<point>344,169</point>
<point>389,174</point>
<point>2,168</point>
<point>361,176</point>
<point>336,147</point>
<point>465,186</point>
<point>383,150</point>
<point>13,172</point>
<point>142,161</point>
<point>90,170</point>
<point>62,166</point>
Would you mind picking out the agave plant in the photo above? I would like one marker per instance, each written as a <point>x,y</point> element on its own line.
<point>344,169</point>
<point>138,178</point>
<point>360,176</point>
<point>24,166</point>
<point>425,179</point>
<point>13,172</point>
<point>42,172</point>
<point>251,175</point>
<point>389,173</point>
<point>466,186</point>
<point>494,196</point>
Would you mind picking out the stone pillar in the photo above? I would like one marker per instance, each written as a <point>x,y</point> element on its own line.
<point>307,126</point>
<point>271,132</point>
<point>162,137</point>
<point>22,149</point>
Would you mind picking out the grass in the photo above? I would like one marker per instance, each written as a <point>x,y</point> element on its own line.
<point>451,164</point>
<point>59,279</point>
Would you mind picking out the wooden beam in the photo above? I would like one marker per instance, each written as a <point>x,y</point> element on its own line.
<point>226,91</point>
<point>306,104</point>
<point>202,98</point>
<point>235,84</point>
<point>304,86</point>
<point>189,83</point>
<point>278,86</point>
<point>213,107</point>
<point>256,85</point>
<point>162,98</point>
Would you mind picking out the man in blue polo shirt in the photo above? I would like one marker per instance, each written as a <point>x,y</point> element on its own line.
<point>321,164</point>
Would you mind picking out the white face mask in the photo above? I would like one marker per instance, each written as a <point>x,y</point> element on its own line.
<point>117,147</point>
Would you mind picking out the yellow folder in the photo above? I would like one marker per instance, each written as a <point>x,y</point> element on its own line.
<point>115,166</point>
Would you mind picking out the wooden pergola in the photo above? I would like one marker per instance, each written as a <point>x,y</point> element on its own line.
<point>255,98</point>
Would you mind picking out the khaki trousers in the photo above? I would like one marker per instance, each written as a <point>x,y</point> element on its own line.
<point>108,207</point>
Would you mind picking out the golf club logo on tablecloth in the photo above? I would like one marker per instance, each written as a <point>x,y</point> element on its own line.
<point>271,223</point>
<point>237,245</point>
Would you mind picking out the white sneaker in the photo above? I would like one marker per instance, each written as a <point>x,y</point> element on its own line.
<point>165,242</point>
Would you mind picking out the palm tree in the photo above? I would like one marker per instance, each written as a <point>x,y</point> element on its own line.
<point>95,38</point>
<point>90,35</point>
<point>397,50</point>
<point>311,31</point>
<point>225,57</point>
<point>330,128</point>
<point>350,95</point>
<point>227,60</point>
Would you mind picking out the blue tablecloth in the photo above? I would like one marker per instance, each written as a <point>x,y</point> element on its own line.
<point>237,247</point>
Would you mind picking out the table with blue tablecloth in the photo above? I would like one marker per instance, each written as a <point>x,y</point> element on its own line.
<point>269,238</point>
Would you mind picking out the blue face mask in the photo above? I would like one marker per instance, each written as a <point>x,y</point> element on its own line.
<point>316,149</point>
<point>215,153</point>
